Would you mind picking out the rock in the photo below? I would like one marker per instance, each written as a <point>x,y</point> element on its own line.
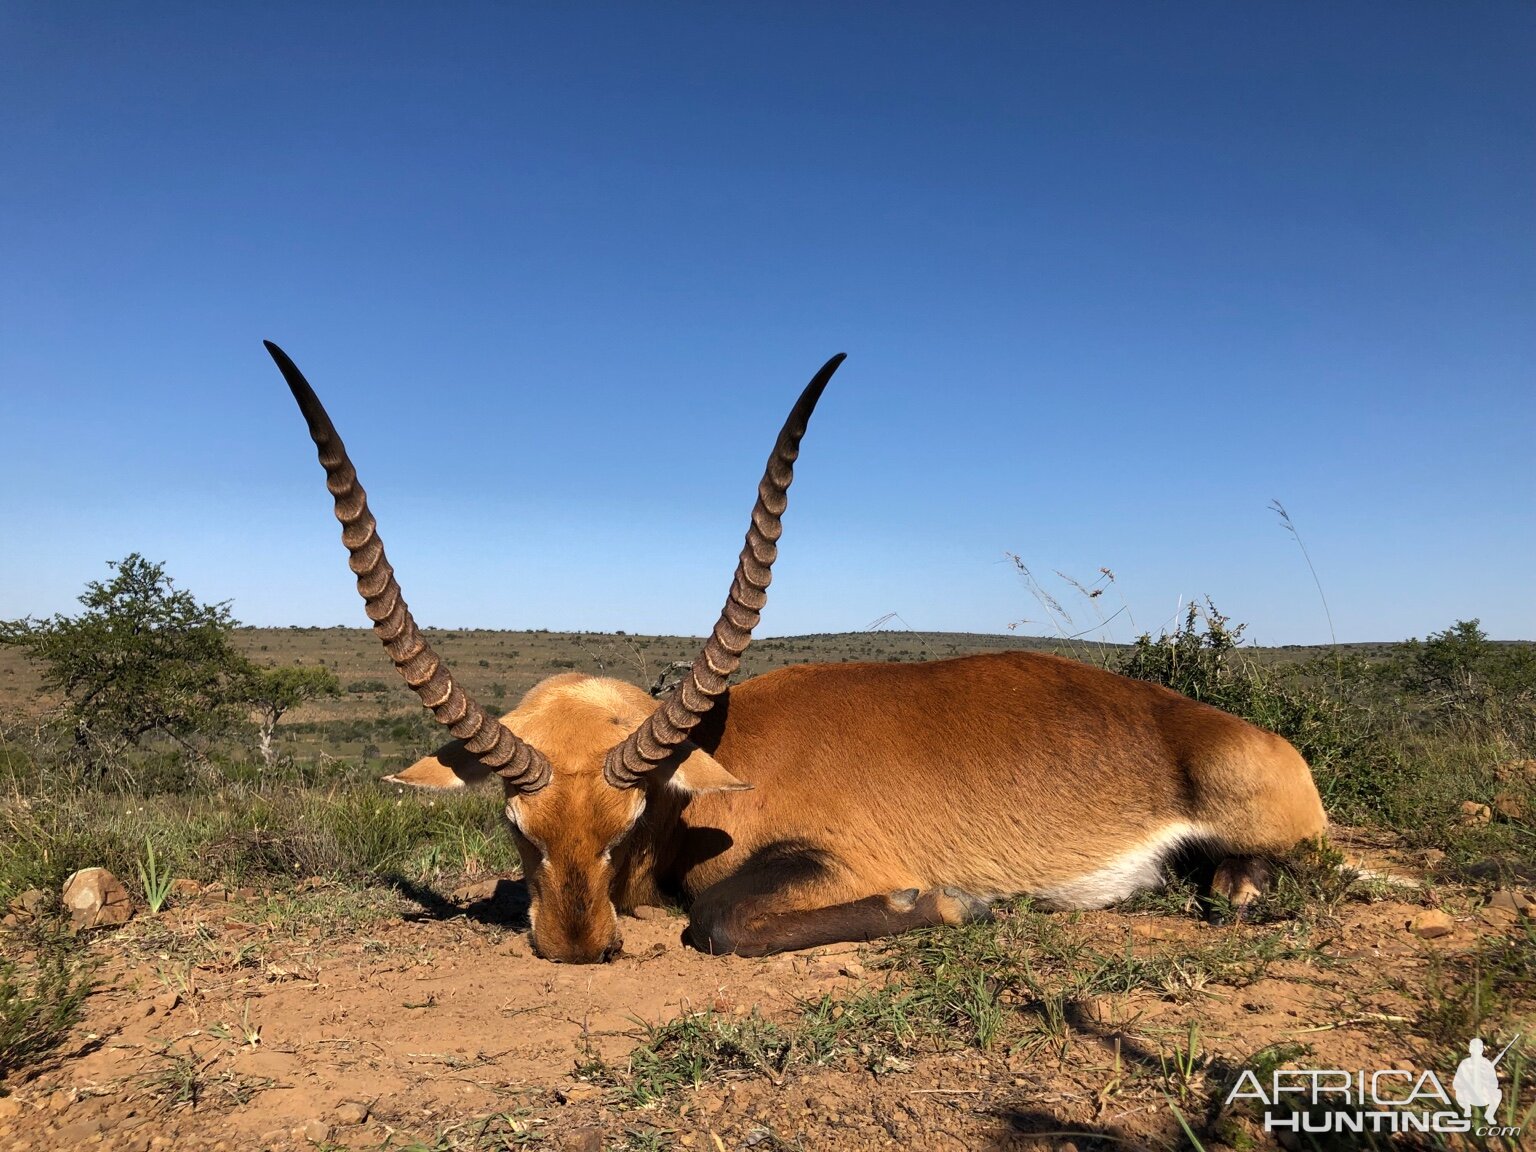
<point>1497,918</point>
<point>96,899</point>
<point>586,1139</point>
<point>1474,814</point>
<point>579,1093</point>
<point>27,906</point>
<point>1509,805</point>
<point>79,1133</point>
<point>651,912</point>
<point>215,892</point>
<point>183,890</point>
<point>851,968</point>
<point>1516,770</point>
<point>59,1100</point>
<point>1433,857</point>
<point>351,1113</point>
<point>248,894</point>
<point>316,1132</point>
<point>10,1108</point>
<point>1431,925</point>
<point>167,1000</point>
<point>474,893</point>
<point>1508,898</point>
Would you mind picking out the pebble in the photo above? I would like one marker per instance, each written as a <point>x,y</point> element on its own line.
<point>1431,925</point>
<point>1473,813</point>
<point>1509,805</point>
<point>583,1140</point>
<point>316,1132</point>
<point>351,1113</point>
<point>1514,901</point>
<point>651,912</point>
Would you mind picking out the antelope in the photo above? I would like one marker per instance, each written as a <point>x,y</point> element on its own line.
<point>837,802</point>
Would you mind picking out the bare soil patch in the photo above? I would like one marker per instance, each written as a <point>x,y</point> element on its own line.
<point>339,1018</point>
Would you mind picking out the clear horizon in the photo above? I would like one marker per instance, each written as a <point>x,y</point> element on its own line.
<point>1110,281</point>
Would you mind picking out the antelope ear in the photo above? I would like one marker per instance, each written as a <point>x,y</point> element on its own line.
<point>697,772</point>
<point>449,767</point>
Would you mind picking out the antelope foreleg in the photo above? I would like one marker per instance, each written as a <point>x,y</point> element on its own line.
<point>762,925</point>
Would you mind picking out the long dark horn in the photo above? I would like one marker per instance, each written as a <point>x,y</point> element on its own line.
<point>520,764</point>
<point>675,717</point>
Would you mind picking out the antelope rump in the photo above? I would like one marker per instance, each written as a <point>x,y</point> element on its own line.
<point>882,797</point>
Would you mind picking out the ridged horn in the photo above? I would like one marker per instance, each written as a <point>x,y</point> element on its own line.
<point>521,765</point>
<point>686,705</point>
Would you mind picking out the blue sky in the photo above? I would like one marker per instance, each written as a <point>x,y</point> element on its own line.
<point>1110,279</point>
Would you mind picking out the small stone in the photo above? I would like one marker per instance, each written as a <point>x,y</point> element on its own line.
<point>59,1101</point>
<point>1509,805</point>
<point>579,1093</point>
<point>248,894</point>
<point>1474,814</point>
<point>316,1132</point>
<point>474,893</point>
<point>1433,857</point>
<point>215,892</point>
<point>167,1001</point>
<point>28,905</point>
<point>183,890</point>
<point>1508,898</point>
<point>1498,918</point>
<point>851,968</point>
<point>1515,770</point>
<point>1431,925</point>
<point>651,912</point>
<point>351,1113</point>
<point>586,1139</point>
<point>96,899</point>
<point>10,1108</point>
<point>79,1133</point>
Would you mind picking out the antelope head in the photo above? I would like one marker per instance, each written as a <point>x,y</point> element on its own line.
<point>581,760</point>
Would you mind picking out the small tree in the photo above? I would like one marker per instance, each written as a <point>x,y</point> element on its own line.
<point>143,658</point>
<point>1461,670</point>
<point>273,691</point>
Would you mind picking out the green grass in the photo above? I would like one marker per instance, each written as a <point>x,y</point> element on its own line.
<point>241,835</point>
<point>42,998</point>
<point>1020,983</point>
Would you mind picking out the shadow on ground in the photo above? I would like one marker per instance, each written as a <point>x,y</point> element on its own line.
<point>506,906</point>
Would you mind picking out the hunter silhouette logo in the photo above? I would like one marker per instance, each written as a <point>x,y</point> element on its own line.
<point>1391,1100</point>
<point>1477,1080</point>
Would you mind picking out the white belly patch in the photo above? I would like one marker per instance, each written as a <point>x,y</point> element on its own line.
<point>1134,870</point>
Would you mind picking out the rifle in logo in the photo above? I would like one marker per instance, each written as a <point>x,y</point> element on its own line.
<point>1477,1080</point>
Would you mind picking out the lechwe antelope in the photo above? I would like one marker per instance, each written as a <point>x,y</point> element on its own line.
<point>883,796</point>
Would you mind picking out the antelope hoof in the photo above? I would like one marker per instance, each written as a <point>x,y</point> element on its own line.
<point>955,906</point>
